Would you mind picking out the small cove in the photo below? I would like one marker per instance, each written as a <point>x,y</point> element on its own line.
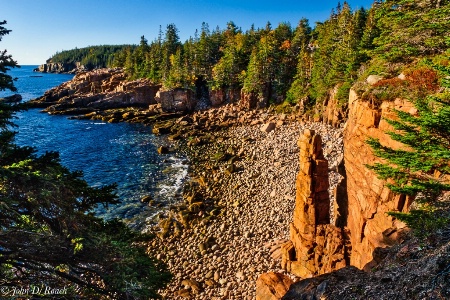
<point>106,153</point>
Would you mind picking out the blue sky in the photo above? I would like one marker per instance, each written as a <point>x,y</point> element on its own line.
<point>40,28</point>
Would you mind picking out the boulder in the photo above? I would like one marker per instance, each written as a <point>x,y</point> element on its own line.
<point>176,100</point>
<point>248,100</point>
<point>334,112</point>
<point>163,150</point>
<point>268,127</point>
<point>217,97</point>
<point>373,79</point>
<point>319,287</point>
<point>11,99</point>
<point>272,286</point>
<point>146,199</point>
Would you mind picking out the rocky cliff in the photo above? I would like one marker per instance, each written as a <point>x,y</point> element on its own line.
<point>361,201</point>
<point>105,89</point>
<point>369,199</point>
<point>99,89</point>
<point>55,68</point>
<point>71,68</point>
<point>356,231</point>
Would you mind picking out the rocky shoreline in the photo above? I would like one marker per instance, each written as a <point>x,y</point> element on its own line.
<point>243,213</point>
<point>232,236</point>
<point>241,195</point>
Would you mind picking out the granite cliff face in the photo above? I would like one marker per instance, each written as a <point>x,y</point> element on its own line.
<point>55,68</point>
<point>109,89</point>
<point>357,230</point>
<point>360,224</point>
<point>333,112</point>
<point>369,199</point>
<point>70,68</point>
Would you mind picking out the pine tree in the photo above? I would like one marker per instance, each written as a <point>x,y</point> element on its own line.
<point>170,46</point>
<point>49,235</point>
<point>303,51</point>
<point>410,29</point>
<point>423,168</point>
<point>6,63</point>
<point>226,73</point>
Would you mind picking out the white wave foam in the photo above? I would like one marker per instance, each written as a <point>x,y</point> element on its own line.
<point>173,185</point>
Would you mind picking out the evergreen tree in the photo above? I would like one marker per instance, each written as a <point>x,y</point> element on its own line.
<point>170,46</point>
<point>6,63</point>
<point>337,56</point>
<point>371,31</point>
<point>270,69</point>
<point>421,169</point>
<point>303,50</point>
<point>412,28</point>
<point>49,235</point>
<point>261,69</point>
<point>227,71</point>
<point>90,57</point>
<point>324,47</point>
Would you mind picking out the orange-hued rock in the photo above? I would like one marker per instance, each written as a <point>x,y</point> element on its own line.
<point>369,199</point>
<point>315,245</point>
<point>272,286</point>
<point>362,201</point>
<point>248,100</point>
<point>98,90</point>
<point>176,100</point>
<point>229,95</point>
<point>333,112</point>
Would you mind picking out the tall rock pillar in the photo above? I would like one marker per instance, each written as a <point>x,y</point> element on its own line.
<point>315,245</point>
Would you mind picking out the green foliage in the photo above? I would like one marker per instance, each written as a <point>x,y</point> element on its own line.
<point>409,29</point>
<point>49,235</point>
<point>343,91</point>
<point>47,226</point>
<point>423,222</point>
<point>418,83</point>
<point>272,64</point>
<point>338,53</point>
<point>6,63</point>
<point>90,57</point>
<point>299,88</point>
<point>421,167</point>
<point>277,64</point>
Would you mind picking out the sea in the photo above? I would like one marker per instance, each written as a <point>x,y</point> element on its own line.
<point>121,153</point>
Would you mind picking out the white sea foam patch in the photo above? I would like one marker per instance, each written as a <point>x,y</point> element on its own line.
<point>171,187</point>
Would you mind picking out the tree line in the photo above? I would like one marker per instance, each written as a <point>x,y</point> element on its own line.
<point>91,57</point>
<point>294,64</point>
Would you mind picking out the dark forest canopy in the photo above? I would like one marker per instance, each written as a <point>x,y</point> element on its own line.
<point>286,63</point>
<point>90,57</point>
<point>295,63</point>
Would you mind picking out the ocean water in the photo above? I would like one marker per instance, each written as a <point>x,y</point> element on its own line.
<point>107,153</point>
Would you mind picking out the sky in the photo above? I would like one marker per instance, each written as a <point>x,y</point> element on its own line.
<point>40,28</point>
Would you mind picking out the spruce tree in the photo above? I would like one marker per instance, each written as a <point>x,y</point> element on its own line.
<point>303,50</point>
<point>6,63</point>
<point>422,169</point>
<point>410,29</point>
<point>49,235</point>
